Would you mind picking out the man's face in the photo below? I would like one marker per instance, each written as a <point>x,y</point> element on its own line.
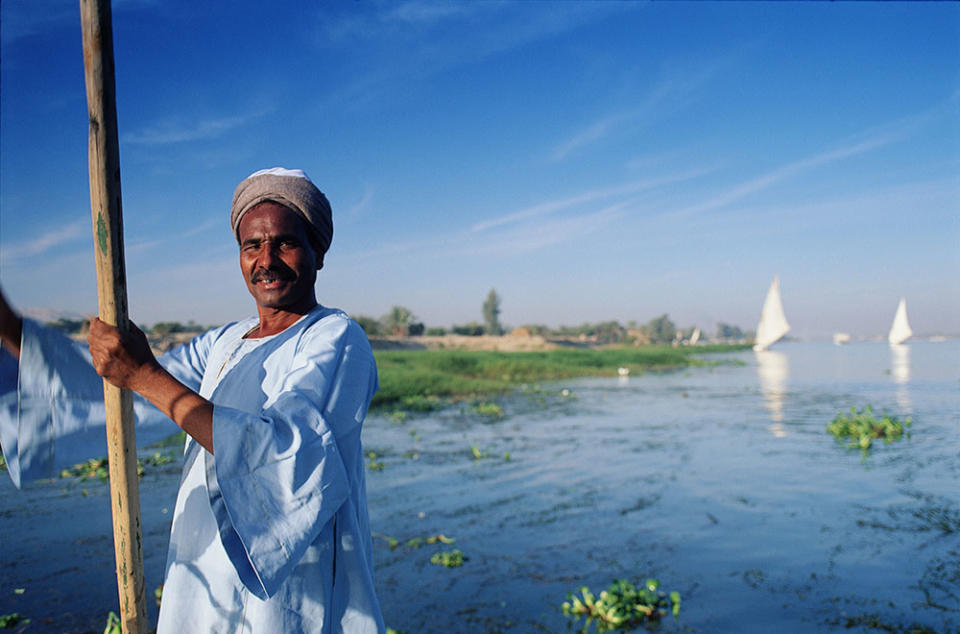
<point>278,262</point>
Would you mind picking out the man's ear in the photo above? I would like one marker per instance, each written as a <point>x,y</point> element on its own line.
<point>319,260</point>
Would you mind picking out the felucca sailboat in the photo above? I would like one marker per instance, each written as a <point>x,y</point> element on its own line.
<point>773,323</point>
<point>900,330</point>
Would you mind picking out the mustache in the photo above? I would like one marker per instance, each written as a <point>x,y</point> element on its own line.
<point>273,273</point>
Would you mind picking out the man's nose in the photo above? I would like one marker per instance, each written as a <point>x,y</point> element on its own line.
<point>269,256</point>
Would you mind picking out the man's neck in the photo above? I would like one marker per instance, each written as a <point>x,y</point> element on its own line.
<point>276,320</point>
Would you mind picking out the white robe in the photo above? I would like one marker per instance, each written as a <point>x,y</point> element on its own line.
<point>269,535</point>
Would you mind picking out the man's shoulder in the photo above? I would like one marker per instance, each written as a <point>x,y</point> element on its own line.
<point>331,324</point>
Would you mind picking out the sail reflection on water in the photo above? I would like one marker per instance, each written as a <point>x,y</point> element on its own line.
<point>773,370</point>
<point>900,371</point>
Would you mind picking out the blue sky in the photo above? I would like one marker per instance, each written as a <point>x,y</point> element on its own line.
<point>590,161</point>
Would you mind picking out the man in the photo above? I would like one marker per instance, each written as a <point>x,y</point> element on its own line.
<point>270,532</point>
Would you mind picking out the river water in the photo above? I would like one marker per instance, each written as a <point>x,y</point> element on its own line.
<point>721,482</point>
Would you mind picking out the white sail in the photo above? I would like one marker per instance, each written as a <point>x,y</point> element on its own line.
<point>900,330</point>
<point>773,323</point>
<point>695,337</point>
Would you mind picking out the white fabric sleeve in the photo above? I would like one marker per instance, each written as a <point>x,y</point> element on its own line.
<point>51,402</point>
<point>277,478</point>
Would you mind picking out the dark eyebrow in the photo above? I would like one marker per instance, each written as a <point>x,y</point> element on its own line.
<point>283,237</point>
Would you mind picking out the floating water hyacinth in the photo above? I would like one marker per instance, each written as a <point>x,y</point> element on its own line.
<point>450,559</point>
<point>861,427</point>
<point>622,606</point>
<point>374,464</point>
<point>99,467</point>
<point>12,620</point>
<point>488,409</point>
<point>440,538</point>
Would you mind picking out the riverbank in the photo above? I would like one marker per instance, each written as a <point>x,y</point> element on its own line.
<point>426,378</point>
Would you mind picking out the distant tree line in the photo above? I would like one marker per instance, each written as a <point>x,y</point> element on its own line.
<point>75,326</point>
<point>401,322</point>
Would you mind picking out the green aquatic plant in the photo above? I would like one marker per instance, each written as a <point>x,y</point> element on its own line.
<point>861,427</point>
<point>374,464</point>
<point>113,624</point>
<point>449,558</point>
<point>99,467</point>
<point>622,606</point>
<point>93,468</point>
<point>393,542</point>
<point>440,538</point>
<point>488,408</point>
<point>158,459</point>
<point>415,542</point>
<point>421,403</point>
<point>10,621</point>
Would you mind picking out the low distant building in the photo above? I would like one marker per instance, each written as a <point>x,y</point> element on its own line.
<point>638,337</point>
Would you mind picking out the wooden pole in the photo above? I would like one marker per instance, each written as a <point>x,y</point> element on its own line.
<point>106,212</point>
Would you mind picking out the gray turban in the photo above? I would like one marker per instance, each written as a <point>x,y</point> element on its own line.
<point>292,189</point>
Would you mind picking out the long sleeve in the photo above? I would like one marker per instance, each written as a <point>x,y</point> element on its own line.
<point>281,474</point>
<point>51,402</point>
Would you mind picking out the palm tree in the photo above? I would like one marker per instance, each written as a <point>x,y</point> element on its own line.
<point>397,320</point>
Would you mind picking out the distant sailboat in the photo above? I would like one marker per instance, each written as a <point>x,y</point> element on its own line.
<point>773,323</point>
<point>695,337</point>
<point>841,338</point>
<point>900,330</point>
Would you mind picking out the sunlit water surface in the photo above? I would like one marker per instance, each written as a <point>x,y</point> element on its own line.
<point>721,482</point>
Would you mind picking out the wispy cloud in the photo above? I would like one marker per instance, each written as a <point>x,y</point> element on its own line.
<point>422,12</point>
<point>525,238</point>
<point>50,240</point>
<point>417,40</point>
<point>503,239</point>
<point>666,96</point>
<point>361,206</point>
<point>764,181</point>
<point>206,226</point>
<point>553,206</point>
<point>178,131</point>
<point>592,133</point>
<point>141,247</point>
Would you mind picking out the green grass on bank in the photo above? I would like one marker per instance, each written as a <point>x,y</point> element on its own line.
<point>412,377</point>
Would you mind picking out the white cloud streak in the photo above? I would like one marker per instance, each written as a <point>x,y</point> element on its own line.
<point>667,95</point>
<point>428,38</point>
<point>790,170</point>
<point>206,226</point>
<point>533,237</point>
<point>553,206</point>
<point>50,240</point>
<point>362,205</point>
<point>169,132</point>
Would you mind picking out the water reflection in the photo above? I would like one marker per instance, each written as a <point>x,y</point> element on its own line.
<point>900,371</point>
<point>773,370</point>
